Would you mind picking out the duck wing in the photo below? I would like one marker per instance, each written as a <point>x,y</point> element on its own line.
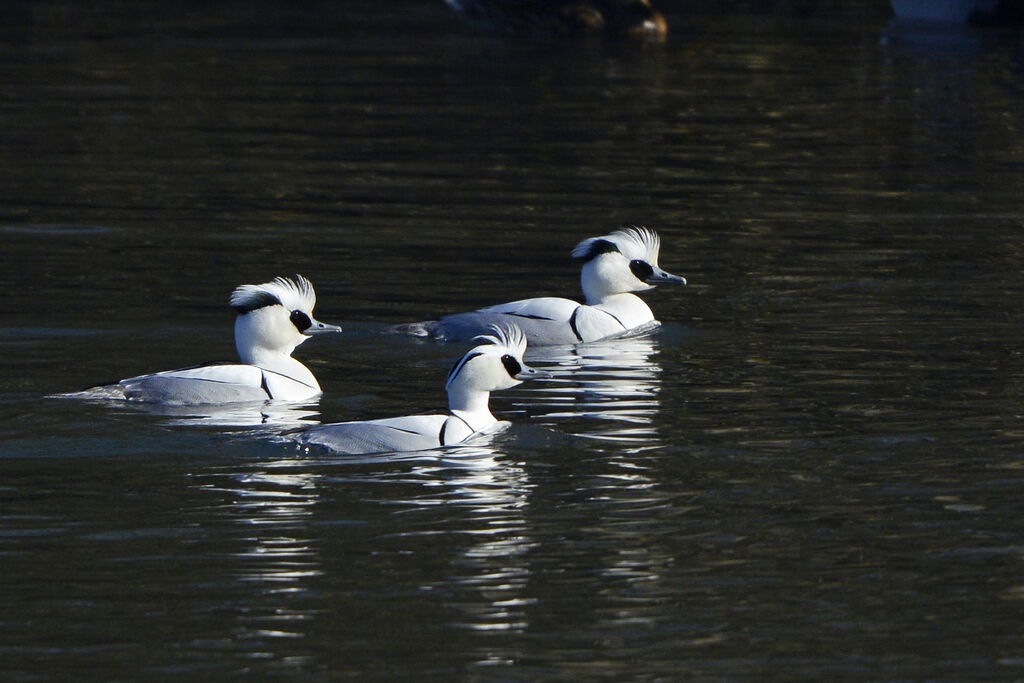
<point>544,320</point>
<point>410,433</point>
<point>539,308</point>
<point>214,383</point>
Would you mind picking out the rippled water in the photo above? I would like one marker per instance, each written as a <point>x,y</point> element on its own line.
<point>813,470</point>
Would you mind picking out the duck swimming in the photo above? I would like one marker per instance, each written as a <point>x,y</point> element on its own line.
<point>539,18</point>
<point>496,362</point>
<point>273,319</point>
<point>614,267</point>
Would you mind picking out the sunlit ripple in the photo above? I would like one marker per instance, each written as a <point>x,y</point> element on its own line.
<point>283,555</point>
<point>280,556</point>
<point>498,572</point>
<point>616,383</point>
<point>484,492</point>
<point>492,495</point>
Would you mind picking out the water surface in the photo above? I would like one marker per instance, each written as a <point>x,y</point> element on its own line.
<point>812,470</point>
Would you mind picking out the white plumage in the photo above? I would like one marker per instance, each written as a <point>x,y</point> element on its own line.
<point>495,363</point>
<point>273,319</point>
<point>614,267</point>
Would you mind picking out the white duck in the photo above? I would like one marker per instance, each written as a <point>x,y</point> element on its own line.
<point>614,266</point>
<point>495,363</point>
<point>273,318</point>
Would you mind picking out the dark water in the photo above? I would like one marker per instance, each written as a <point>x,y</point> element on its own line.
<point>813,471</point>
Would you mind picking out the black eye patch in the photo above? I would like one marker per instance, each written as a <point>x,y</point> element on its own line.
<point>512,366</point>
<point>641,269</point>
<point>300,320</point>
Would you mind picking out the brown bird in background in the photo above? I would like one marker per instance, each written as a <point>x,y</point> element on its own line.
<point>540,18</point>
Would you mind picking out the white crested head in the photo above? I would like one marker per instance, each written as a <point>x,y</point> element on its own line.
<point>274,318</point>
<point>503,339</point>
<point>624,261</point>
<point>292,293</point>
<point>634,242</point>
<point>496,362</point>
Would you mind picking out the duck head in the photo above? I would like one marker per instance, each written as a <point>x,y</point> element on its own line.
<point>623,261</point>
<point>275,317</point>
<point>495,363</point>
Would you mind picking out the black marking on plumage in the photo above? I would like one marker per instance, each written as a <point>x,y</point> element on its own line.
<point>457,368</point>
<point>300,320</point>
<point>256,301</point>
<point>641,269</point>
<point>531,316</point>
<point>444,427</point>
<point>572,324</point>
<point>182,379</point>
<point>463,420</point>
<point>512,366</point>
<point>615,318</point>
<point>596,248</point>
<point>399,429</point>
<point>288,377</point>
<point>264,385</point>
<point>190,367</point>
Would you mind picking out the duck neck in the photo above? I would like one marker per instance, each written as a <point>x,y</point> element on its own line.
<point>274,360</point>
<point>594,289</point>
<point>628,309</point>
<point>471,406</point>
<point>280,363</point>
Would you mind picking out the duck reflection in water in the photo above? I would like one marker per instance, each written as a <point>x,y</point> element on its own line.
<point>484,492</point>
<point>269,415</point>
<point>617,381</point>
<point>270,552</point>
<point>492,567</point>
<point>552,18</point>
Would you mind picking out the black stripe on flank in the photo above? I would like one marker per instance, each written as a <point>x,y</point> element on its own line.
<point>621,324</point>
<point>399,429</point>
<point>530,316</point>
<point>596,248</point>
<point>196,379</point>
<point>263,384</point>
<point>463,420</point>
<point>444,428</point>
<point>572,324</point>
<point>457,368</point>
<point>256,301</point>
<point>288,377</point>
